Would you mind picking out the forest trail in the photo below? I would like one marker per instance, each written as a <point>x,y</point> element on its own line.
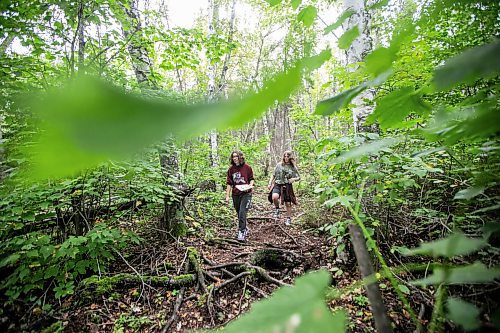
<point>231,275</point>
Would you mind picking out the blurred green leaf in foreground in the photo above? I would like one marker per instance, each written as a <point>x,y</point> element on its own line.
<point>300,308</point>
<point>88,122</point>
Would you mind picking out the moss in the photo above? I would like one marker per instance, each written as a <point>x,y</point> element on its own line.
<point>95,286</point>
<point>54,328</point>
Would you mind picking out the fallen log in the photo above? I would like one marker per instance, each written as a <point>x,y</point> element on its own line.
<point>97,286</point>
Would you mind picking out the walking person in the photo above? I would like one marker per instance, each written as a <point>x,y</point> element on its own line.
<point>240,183</point>
<point>280,185</point>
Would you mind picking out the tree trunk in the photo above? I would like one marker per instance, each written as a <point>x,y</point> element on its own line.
<point>138,53</point>
<point>81,36</point>
<point>382,323</point>
<point>173,219</point>
<point>359,48</point>
<point>212,22</point>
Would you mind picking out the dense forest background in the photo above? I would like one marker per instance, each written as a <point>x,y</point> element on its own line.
<point>116,127</point>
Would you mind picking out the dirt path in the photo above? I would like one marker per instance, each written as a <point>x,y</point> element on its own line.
<point>226,289</point>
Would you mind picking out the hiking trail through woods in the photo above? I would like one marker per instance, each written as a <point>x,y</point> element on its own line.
<point>216,278</point>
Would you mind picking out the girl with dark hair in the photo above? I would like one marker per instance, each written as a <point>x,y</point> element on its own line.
<point>240,183</point>
<point>281,187</point>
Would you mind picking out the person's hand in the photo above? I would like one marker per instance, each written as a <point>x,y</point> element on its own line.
<point>269,186</point>
<point>227,199</point>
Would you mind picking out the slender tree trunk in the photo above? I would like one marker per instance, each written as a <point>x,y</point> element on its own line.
<point>360,47</point>
<point>81,36</point>
<point>173,213</point>
<point>173,218</point>
<point>212,69</point>
<point>382,323</point>
<point>138,53</point>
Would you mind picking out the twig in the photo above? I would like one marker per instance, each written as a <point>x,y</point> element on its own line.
<point>135,271</point>
<point>242,295</point>
<point>233,279</point>
<point>178,301</point>
<point>234,263</point>
<point>286,233</point>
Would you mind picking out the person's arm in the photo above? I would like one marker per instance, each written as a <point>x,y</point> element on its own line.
<point>271,182</point>
<point>228,192</point>
<point>296,178</point>
<point>250,176</point>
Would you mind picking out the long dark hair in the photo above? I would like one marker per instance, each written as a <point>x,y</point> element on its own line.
<point>241,157</point>
<point>291,158</point>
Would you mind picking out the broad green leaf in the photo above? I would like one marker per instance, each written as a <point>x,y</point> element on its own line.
<point>344,16</point>
<point>379,4</point>
<point>453,245</point>
<point>273,2</point>
<point>365,149</point>
<point>404,289</point>
<point>88,122</point>
<point>300,308</point>
<point>348,37</point>
<point>479,62</point>
<point>470,274</point>
<point>380,60</point>
<point>307,15</point>
<point>344,200</point>
<point>338,102</point>
<point>464,123</point>
<point>469,193</point>
<point>295,3</point>
<point>342,100</point>
<point>463,313</point>
<point>394,107</point>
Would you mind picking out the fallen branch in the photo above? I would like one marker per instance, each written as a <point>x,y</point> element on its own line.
<point>95,286</point>
<point>178,302</point>
<point>251,286</point>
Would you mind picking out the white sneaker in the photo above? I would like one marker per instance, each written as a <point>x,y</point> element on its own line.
<point>288,221</point>
<point>276,213</point>
<point>241,235</point>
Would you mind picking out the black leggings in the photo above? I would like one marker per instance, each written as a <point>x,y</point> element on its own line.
<point>242,204</point>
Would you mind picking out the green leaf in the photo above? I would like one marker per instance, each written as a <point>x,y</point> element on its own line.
<point>379,4</point>
<point>10,260</point>
<point>342,100</point>
<point>469,193</point>
<point>89,122</point>
<point>301,308</point>
<point>394,107</point>
<point>307,15</point>
<point>454,245</point>
<point>380,60</point>
<point>273,2</point>
<point>365,149</point>
<point>338,102</point>
<point>46,251</point>
<point>344,200</point>
<point>463,313</point>
<point>295,3</point>
<point>348,37</point>
<point>404,289</point>
<point>475,273</point>
<point>479,62</point>
<point>344,16</point>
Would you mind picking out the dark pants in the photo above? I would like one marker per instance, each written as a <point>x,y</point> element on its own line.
<point>242,204</point>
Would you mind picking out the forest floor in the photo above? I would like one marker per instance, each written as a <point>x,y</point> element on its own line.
<point>227,289</point>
